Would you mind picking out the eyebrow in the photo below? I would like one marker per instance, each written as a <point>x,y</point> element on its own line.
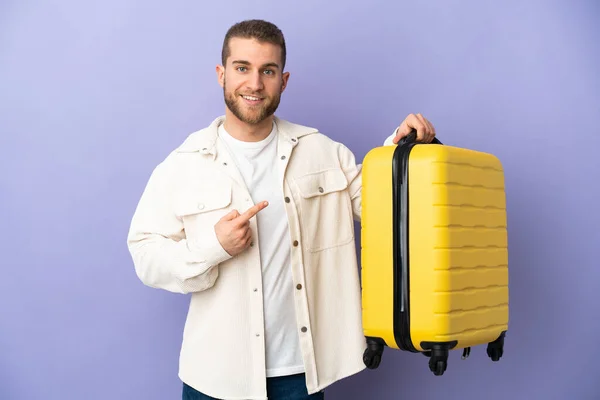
<point>244,62</point>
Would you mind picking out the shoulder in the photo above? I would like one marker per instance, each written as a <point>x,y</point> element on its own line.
<point>294,130</point>
<point>306,135</point>
<point>177,158</point>
<point>317,148</point>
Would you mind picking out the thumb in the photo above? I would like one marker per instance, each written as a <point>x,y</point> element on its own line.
<point>402,131</point>
<point>233,214</point>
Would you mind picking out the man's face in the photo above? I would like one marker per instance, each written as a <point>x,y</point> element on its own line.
<point>252,79</point>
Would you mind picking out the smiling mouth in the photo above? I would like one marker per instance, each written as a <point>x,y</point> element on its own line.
<point>252,99</point>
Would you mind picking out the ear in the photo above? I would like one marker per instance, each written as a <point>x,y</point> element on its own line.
<point>220,75</point>
<point>284,78</point>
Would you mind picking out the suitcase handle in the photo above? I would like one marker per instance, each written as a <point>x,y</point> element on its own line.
<point>412,137</point>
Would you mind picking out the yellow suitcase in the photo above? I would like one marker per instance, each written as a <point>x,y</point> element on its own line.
<point>433,251</point>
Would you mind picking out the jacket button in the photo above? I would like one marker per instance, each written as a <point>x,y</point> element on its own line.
<point>298,286</point>
<point>320,189</point>
<point>295,243</point>
<point>283,157</point>
<point>200,206</point>
<point>287,199</point>
<point>303,329</point>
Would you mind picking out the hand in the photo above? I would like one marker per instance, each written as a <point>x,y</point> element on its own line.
<point>425,131</point>
<point>233,229</point>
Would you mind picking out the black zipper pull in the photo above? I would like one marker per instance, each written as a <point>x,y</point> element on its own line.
<point>466,353</point>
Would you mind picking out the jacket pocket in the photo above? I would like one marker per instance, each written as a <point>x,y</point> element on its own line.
<point>201,206</point>
<point>325,209</point>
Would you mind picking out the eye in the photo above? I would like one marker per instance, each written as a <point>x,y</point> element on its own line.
<point>241,69</point>
<point>269,72</point>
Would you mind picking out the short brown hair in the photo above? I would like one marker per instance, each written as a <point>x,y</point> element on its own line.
<point>258,29</point>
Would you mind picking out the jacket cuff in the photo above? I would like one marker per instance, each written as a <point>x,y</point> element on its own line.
<point>208,250</point>
<point>388,141</point>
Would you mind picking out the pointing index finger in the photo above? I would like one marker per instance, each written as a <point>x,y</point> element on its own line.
<point>252,211</point>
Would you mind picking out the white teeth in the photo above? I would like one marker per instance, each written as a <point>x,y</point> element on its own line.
<point>251,98</point>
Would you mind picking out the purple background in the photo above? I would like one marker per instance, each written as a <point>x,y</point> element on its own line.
<point>94,94</point>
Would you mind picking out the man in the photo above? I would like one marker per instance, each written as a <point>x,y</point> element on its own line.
<point>253,216</point>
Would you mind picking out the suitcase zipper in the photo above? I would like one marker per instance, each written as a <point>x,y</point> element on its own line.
<point>401,242</point>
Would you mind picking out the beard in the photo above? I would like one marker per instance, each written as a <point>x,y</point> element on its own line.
<point>252,115</point>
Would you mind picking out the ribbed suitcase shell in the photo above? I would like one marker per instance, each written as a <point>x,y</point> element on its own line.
<point>455,248</point>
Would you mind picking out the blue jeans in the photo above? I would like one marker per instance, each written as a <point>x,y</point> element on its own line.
<point>291,387</point>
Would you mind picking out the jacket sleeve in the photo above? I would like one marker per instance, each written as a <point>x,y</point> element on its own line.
<point>162,255</point>
<point>388,141</point>
<point>353,173</point>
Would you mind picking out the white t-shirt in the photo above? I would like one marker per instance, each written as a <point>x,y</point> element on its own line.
<point>257,163</point>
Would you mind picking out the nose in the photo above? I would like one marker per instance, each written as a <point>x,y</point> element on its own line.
<point>255,82</point>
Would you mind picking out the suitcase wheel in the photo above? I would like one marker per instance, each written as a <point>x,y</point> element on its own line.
<point>438,359</point>
<point>495,349</point>
<point>495,353</point>
<point>439,368</point>
<point>373,353</point>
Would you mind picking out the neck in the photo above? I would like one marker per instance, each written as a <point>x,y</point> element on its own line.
<point>247,132</point>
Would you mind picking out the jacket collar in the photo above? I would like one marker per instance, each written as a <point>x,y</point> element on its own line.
<point>204,140</point>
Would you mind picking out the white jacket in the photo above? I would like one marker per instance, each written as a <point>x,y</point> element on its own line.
<point>174,247</point>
